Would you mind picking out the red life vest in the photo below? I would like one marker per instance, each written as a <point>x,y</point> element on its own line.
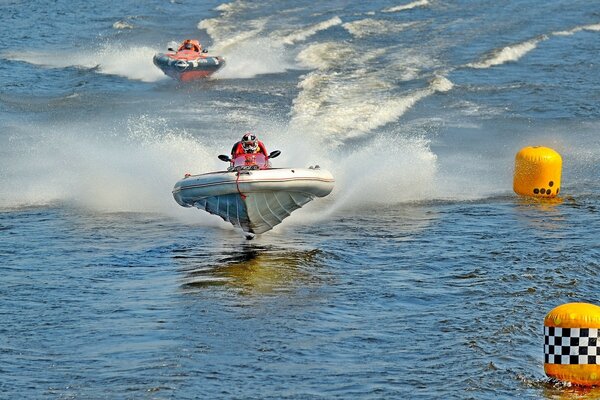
<point>238,149</point>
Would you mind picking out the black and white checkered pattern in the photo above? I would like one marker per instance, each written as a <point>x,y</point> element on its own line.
<point>571,346</point>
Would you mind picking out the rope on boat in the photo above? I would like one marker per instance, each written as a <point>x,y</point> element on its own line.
<point>237,184</point>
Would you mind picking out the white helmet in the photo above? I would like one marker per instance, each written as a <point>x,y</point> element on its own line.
<point>249,142</point>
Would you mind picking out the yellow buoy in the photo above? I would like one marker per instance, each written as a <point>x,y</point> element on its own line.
<point>537,172</point>
<point>571,344</point>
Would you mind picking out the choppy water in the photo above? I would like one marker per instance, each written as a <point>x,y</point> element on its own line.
<point>421,276</point>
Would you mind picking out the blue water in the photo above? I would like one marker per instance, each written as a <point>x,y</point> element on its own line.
<point>421,276</point>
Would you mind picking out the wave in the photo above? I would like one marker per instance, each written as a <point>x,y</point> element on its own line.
<point>515,52</point>
<point>325,55</point>
<point>134,62</point>
<point>593,28</point>
<point>338,107</point>
<point>120,25</point>
<point>232,7</point>
<point>228,30</point>
<point>304,33</point>
<point>508,53</point>
<point>409,6</point>
<point>226,37</point>
<point>370,27</point>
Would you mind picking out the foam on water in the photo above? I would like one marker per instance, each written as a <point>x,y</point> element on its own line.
<point>247,45</point>
<point>516,51</point>
<point>371,26</point>
<point>345,98</point>
<point>227,37</point>
<point>325,55</point>
<point>592,28</point>
<point>232,7</point>
<point>122,25</point>
<point>301,34</point>
<point>409,6</point>
<point>255,56</point>
<point>132,62</point>
<point>249,50</point>
<point>508,53</point>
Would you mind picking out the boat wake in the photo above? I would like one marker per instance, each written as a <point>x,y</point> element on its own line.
<point>591,28</point>
<point>340,105</point>
<point>131,62</point>
<point>508,53</point>
<point>517,51</point>
<point>250,50</point>
<point>409,6</point>
<point>303,33</point>
<point>371,27</point>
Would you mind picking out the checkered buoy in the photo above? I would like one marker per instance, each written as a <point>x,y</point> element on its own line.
<point>571,352</point>
<point>537,172</point>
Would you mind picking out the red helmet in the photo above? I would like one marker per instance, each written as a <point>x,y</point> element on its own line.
<point>249,142</point>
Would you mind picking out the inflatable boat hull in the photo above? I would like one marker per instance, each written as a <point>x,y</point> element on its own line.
<point>187,69</point>
<point>254,200</point>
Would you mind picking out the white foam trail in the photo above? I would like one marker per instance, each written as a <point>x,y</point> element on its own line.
<point>338,112</point>
<point>370,26</point>
<point>226,37</point>
<point>441,84</point>
<point>593,28</point>
<point>414,4</point>
<point>325,55</point>
<point>508,53</point>
<point>515,52</point>
<point>233,7</point>
<point>255,57</point>
<point>122,25</point>
<point>247,50</point>
<point>339,105</point>
<point>111,59</point>
<point>304,33</point>
<point>228,29</point>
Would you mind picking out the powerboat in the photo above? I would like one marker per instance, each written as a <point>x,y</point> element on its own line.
<point>188,62</point>
<point>251,194</point>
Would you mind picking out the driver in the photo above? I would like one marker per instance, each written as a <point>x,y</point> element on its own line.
<point>248,145</point>
<point>189,44</point>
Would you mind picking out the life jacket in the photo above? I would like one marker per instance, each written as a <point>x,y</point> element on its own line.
<point>238,149</point>
<point>196,46</point>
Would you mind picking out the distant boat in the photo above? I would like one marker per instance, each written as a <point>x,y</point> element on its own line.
<point>252,195</point>
<point>188,62</point>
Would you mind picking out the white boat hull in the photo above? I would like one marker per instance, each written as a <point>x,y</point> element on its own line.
<point>254,200</point>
